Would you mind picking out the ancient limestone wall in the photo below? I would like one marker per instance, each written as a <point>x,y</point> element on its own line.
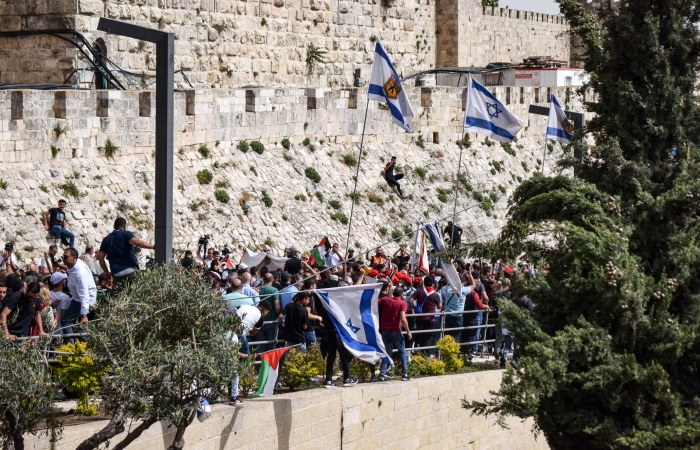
<point>424,413</point>
<point>233,43</point>
<point>210,124</point>
<point>471,35</point>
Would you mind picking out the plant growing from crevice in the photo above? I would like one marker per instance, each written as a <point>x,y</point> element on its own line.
<point>312,175</point>
<point>314,56</point>
<point>204,151</point>
<point>109,149</point>
<point>204,176</point>
<point>257,147</point>
<point>267,201</point>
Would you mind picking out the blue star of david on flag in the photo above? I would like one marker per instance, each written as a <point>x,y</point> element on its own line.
<point>353,328</point>
<point>496,110</point>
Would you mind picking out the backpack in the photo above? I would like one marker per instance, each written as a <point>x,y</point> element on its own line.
<point>419,307</point>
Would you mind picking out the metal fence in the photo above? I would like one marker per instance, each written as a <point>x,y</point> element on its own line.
<point>440,318</point>
<point>440,329</point>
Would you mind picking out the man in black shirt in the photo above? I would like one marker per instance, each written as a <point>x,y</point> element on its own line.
<point>392,178</point>
<point>293,264</point>
<point>56,224</point>
<point>20,308</point>
<point>454,234</point>
<point>296,319</point>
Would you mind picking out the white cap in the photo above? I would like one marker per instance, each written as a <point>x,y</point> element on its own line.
<point>58,277</point>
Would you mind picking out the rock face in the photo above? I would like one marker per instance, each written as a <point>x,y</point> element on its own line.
<point>271,200</point>
<point>238,43</point>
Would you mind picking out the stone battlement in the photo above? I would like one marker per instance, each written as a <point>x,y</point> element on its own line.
<point>232,43</point>
<point>524,15</point>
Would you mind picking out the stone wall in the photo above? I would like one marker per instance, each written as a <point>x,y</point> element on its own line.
<point>469,34</point>
<point>424,413</point>
<point>99,188</point>
<point>232,43</point>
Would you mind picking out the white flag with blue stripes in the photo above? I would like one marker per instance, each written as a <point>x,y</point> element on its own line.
<point>385,87</point>
<point>354,312</point>
<point>485,114</point>
<point>559,127</point>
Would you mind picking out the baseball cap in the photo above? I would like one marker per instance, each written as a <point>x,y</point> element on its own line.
<point>9,246</point>
<point>285,277</point>
<point>243,266</point>
<point>293,250</point>
<point>58,277</point>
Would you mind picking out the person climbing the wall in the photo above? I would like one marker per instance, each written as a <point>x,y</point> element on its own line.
<point>391,178</point>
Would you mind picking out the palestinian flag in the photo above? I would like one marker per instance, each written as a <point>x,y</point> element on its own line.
<point>229,264</point>
<point>318,254</point>
<point>270,366</point>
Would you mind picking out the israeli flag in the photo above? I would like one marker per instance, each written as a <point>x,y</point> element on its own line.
<point>433,231</point>
<point>354,312</point>
<point>484,114</point>
<point>559,127</point>
<point>385,87</point>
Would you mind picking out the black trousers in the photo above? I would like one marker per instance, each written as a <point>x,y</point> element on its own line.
<point>393,181</point>
<point>334,347</point>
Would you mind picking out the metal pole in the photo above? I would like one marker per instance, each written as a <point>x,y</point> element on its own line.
<point>165,65</point>
<point>544,154</point>
<point>357,175</point>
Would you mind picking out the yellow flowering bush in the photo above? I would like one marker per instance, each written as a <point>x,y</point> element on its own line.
<point>299,366</point>
<point>77,371</point>
<point>449,352</point>
<point>426,366</point>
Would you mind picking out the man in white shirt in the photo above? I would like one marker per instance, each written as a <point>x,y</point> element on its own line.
<point>89,259</point>
<point>83,291</point>
<point>252,318</point>
<point>333,258</point>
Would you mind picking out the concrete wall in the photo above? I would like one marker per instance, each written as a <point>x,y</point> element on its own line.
<point>225,43</point>
<point>123,185</point>
<point>424,413</point>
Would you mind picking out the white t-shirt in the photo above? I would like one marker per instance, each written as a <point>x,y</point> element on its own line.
<point>63,298</point>
<point>250,316</point>
<point>12,258</point>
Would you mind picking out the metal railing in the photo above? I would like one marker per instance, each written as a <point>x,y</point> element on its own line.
<point>441,330</point>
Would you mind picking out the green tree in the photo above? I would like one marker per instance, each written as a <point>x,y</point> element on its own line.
<point>611,353</point>
<point>489,3</point>
<point>164,342</point>
<point>27,393</point>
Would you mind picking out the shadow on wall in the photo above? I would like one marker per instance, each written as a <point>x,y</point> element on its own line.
<point>282,409</point>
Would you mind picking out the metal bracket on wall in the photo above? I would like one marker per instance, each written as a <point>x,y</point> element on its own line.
<point>165,68</point>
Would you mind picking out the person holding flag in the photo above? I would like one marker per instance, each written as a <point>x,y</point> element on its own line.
<point>352,313</point>
<point>485,114</point>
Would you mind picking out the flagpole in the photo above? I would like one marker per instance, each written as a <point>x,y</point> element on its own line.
<point>544,154</point>
<point>459,171</point>
<point>357,175</point>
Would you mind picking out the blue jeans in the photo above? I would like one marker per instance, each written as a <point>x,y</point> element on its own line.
<point>70,315</point>
<point>477,335</point>
<point>60,232</point>
<point>310,338</point>
<point>507,341</point>
<point>390,339</point>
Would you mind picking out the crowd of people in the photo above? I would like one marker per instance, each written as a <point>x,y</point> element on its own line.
<point>276,304</point>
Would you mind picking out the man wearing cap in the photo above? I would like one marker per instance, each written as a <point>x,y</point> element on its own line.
<point>83,291</point>
<point>293,264</point>
<point>118,248</point>
<point>8,262</point>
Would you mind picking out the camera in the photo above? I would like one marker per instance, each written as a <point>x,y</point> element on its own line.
<point>204,240</point>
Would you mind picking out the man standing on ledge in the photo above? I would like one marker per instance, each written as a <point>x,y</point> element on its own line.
<point>118,248</point>
<point>56,224</point>
<point>392,179</point>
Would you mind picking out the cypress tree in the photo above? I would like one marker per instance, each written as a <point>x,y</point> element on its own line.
<point>611,353</point>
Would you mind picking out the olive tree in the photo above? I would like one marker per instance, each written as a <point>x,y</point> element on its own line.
<point>164,343</point>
